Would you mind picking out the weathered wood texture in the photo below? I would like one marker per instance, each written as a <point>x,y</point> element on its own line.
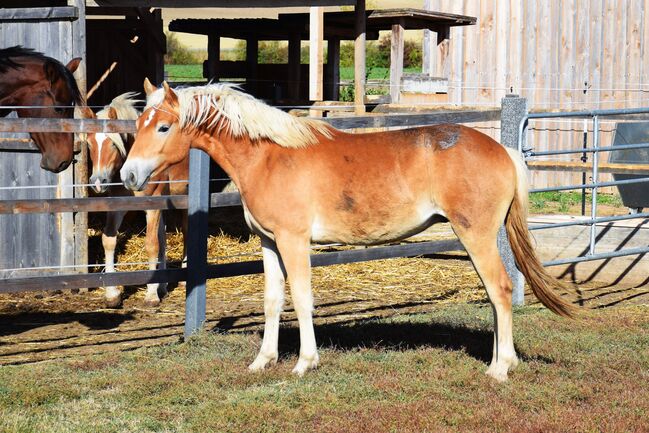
<point>560,54</point>
<point>45,239</point>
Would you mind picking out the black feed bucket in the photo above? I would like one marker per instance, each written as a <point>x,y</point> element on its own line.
<point>634,196</point>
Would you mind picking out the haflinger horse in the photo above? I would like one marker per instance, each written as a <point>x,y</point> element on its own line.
<point>40,86</point>
<point>108,152</point>
<point>303,182</point>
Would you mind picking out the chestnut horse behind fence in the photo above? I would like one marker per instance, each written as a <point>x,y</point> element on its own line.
<point>40,86</point>
<point>108,152</point>
<point>302,182</point>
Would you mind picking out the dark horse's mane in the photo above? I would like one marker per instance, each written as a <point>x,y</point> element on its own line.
<point>7,62</point>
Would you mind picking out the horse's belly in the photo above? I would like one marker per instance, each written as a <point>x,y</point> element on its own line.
<point>364,230</point>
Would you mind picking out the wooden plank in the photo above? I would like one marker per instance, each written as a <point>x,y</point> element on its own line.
<point>69,13</point>
<point>66,125</point>
<point>408,120</point>
<point>153,29</point>
<point>396,61</point>
<point>333,69</point>
<point>219,3</point>
<point>316,50</point>
<point>70,281</point>
<point>359,58</point>
<point>213,56</point>
<point>252,53</point>
<point>105,204</point>
<point>575,166</point>
<point>18,145</point>
<point>294,48</point>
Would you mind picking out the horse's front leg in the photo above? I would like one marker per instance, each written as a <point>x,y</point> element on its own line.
<point>109,242</point>
<point>274,279</point>
<point>294,250</point>
<point>155,245</point>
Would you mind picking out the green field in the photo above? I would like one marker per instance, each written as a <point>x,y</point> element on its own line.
<point>410,373</point>
<point>195,73</point>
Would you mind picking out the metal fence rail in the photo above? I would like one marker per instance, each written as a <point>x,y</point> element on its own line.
<point>596,150</point>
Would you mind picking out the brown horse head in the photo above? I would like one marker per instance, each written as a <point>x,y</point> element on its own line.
<point>160,142</point>
<point>40,86</point>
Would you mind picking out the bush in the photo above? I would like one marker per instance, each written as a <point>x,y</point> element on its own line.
<point>378,53</point>
<point>178,54</point>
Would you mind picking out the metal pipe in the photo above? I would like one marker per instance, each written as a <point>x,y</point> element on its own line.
<point>600,256</point>
<point>593,206</point>
<point>592,150</point>
<point>589,221</point>
<point>591,185</point>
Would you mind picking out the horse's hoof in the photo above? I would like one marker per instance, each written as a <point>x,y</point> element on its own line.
<point>497,374</point>
<point>114,302</point>
<point>303,365</point>
<point>152,302</point>
<point>261,362</point>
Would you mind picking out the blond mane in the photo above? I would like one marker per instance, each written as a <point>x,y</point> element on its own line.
<point>240,114</point>
<point>124,106</point>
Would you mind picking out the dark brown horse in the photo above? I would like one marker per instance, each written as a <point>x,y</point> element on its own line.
<point>40,86</point>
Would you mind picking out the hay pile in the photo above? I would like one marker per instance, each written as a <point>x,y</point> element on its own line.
<point>394,282</point>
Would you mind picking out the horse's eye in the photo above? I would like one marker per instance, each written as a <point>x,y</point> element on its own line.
<point>163,128</point>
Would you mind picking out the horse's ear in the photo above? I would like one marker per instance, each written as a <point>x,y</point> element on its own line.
<point>148,87</point>
<point>84,112</point>
<point>112,114</point>
<point>73,64</point>
<point>170,95</point>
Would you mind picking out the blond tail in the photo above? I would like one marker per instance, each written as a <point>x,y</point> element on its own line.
<point>543,285</point>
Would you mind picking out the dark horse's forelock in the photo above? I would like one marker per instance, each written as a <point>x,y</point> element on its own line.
<point>7,62</point>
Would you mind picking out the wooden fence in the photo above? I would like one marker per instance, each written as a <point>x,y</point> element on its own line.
<point>198,203</point>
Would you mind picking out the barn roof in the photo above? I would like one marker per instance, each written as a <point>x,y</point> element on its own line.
<point>336,24</point>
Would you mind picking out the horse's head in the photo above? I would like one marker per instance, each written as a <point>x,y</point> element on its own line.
<point>160,141</point>
<point>107,152</point>
<point>56,91</point>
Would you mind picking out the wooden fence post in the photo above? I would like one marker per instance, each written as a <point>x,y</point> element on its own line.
<point>198,206</point>
<point>514,108</point>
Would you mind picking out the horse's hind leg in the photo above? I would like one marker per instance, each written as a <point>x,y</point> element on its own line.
<point>274,279</point>
<point>109,241</point>
<point>482,249</point>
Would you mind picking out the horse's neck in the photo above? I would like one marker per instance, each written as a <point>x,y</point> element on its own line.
<point>238,157</point>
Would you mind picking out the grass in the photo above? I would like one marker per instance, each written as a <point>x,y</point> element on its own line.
<point>546,202</point>
<point>195,72</point>
<point>413,373</point>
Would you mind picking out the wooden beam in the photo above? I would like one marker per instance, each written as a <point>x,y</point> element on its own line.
<point>294,69</point>
<point>33,124</point>
<point>131,278</point>
<point>396,61</point>
<point>154,28</point>
<point>316,49</point>
<point>359,57</point>
<point>61,13</point>
<point>252,55</point>
<point>220,3</point>
<point>333,69</point>
<point>410,120</point>
<point>576,166</point>
<point>439,62</point>
<point>213,56</point>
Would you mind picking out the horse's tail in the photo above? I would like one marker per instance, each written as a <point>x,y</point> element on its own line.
<point>543,285</point>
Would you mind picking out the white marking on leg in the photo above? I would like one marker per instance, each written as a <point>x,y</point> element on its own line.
<point>112,293</point>
<point>274,278</point>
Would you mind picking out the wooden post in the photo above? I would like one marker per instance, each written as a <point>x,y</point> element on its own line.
<point>198,206</point>
<point>439,64</point>
<point>252,51</point>
<point>396,61</point>
<point>213,56</point>
<point>81,167</point>
<point>333,69</point>
<point>316,19</point>
<point>514,109</point>
<point>359,58</point>
<point>294,68</point>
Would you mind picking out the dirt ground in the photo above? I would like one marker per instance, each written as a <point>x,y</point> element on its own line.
<point>39,326</point>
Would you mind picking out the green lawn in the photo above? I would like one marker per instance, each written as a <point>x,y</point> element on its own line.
<point>565,201</point>
<point>195,72</point>
<point>416,373</point>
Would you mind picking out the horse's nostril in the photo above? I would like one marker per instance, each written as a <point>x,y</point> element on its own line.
<point>131,178</point>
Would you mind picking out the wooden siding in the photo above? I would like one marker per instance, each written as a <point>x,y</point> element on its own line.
<point>36,240</point>
<point>559,54</point>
